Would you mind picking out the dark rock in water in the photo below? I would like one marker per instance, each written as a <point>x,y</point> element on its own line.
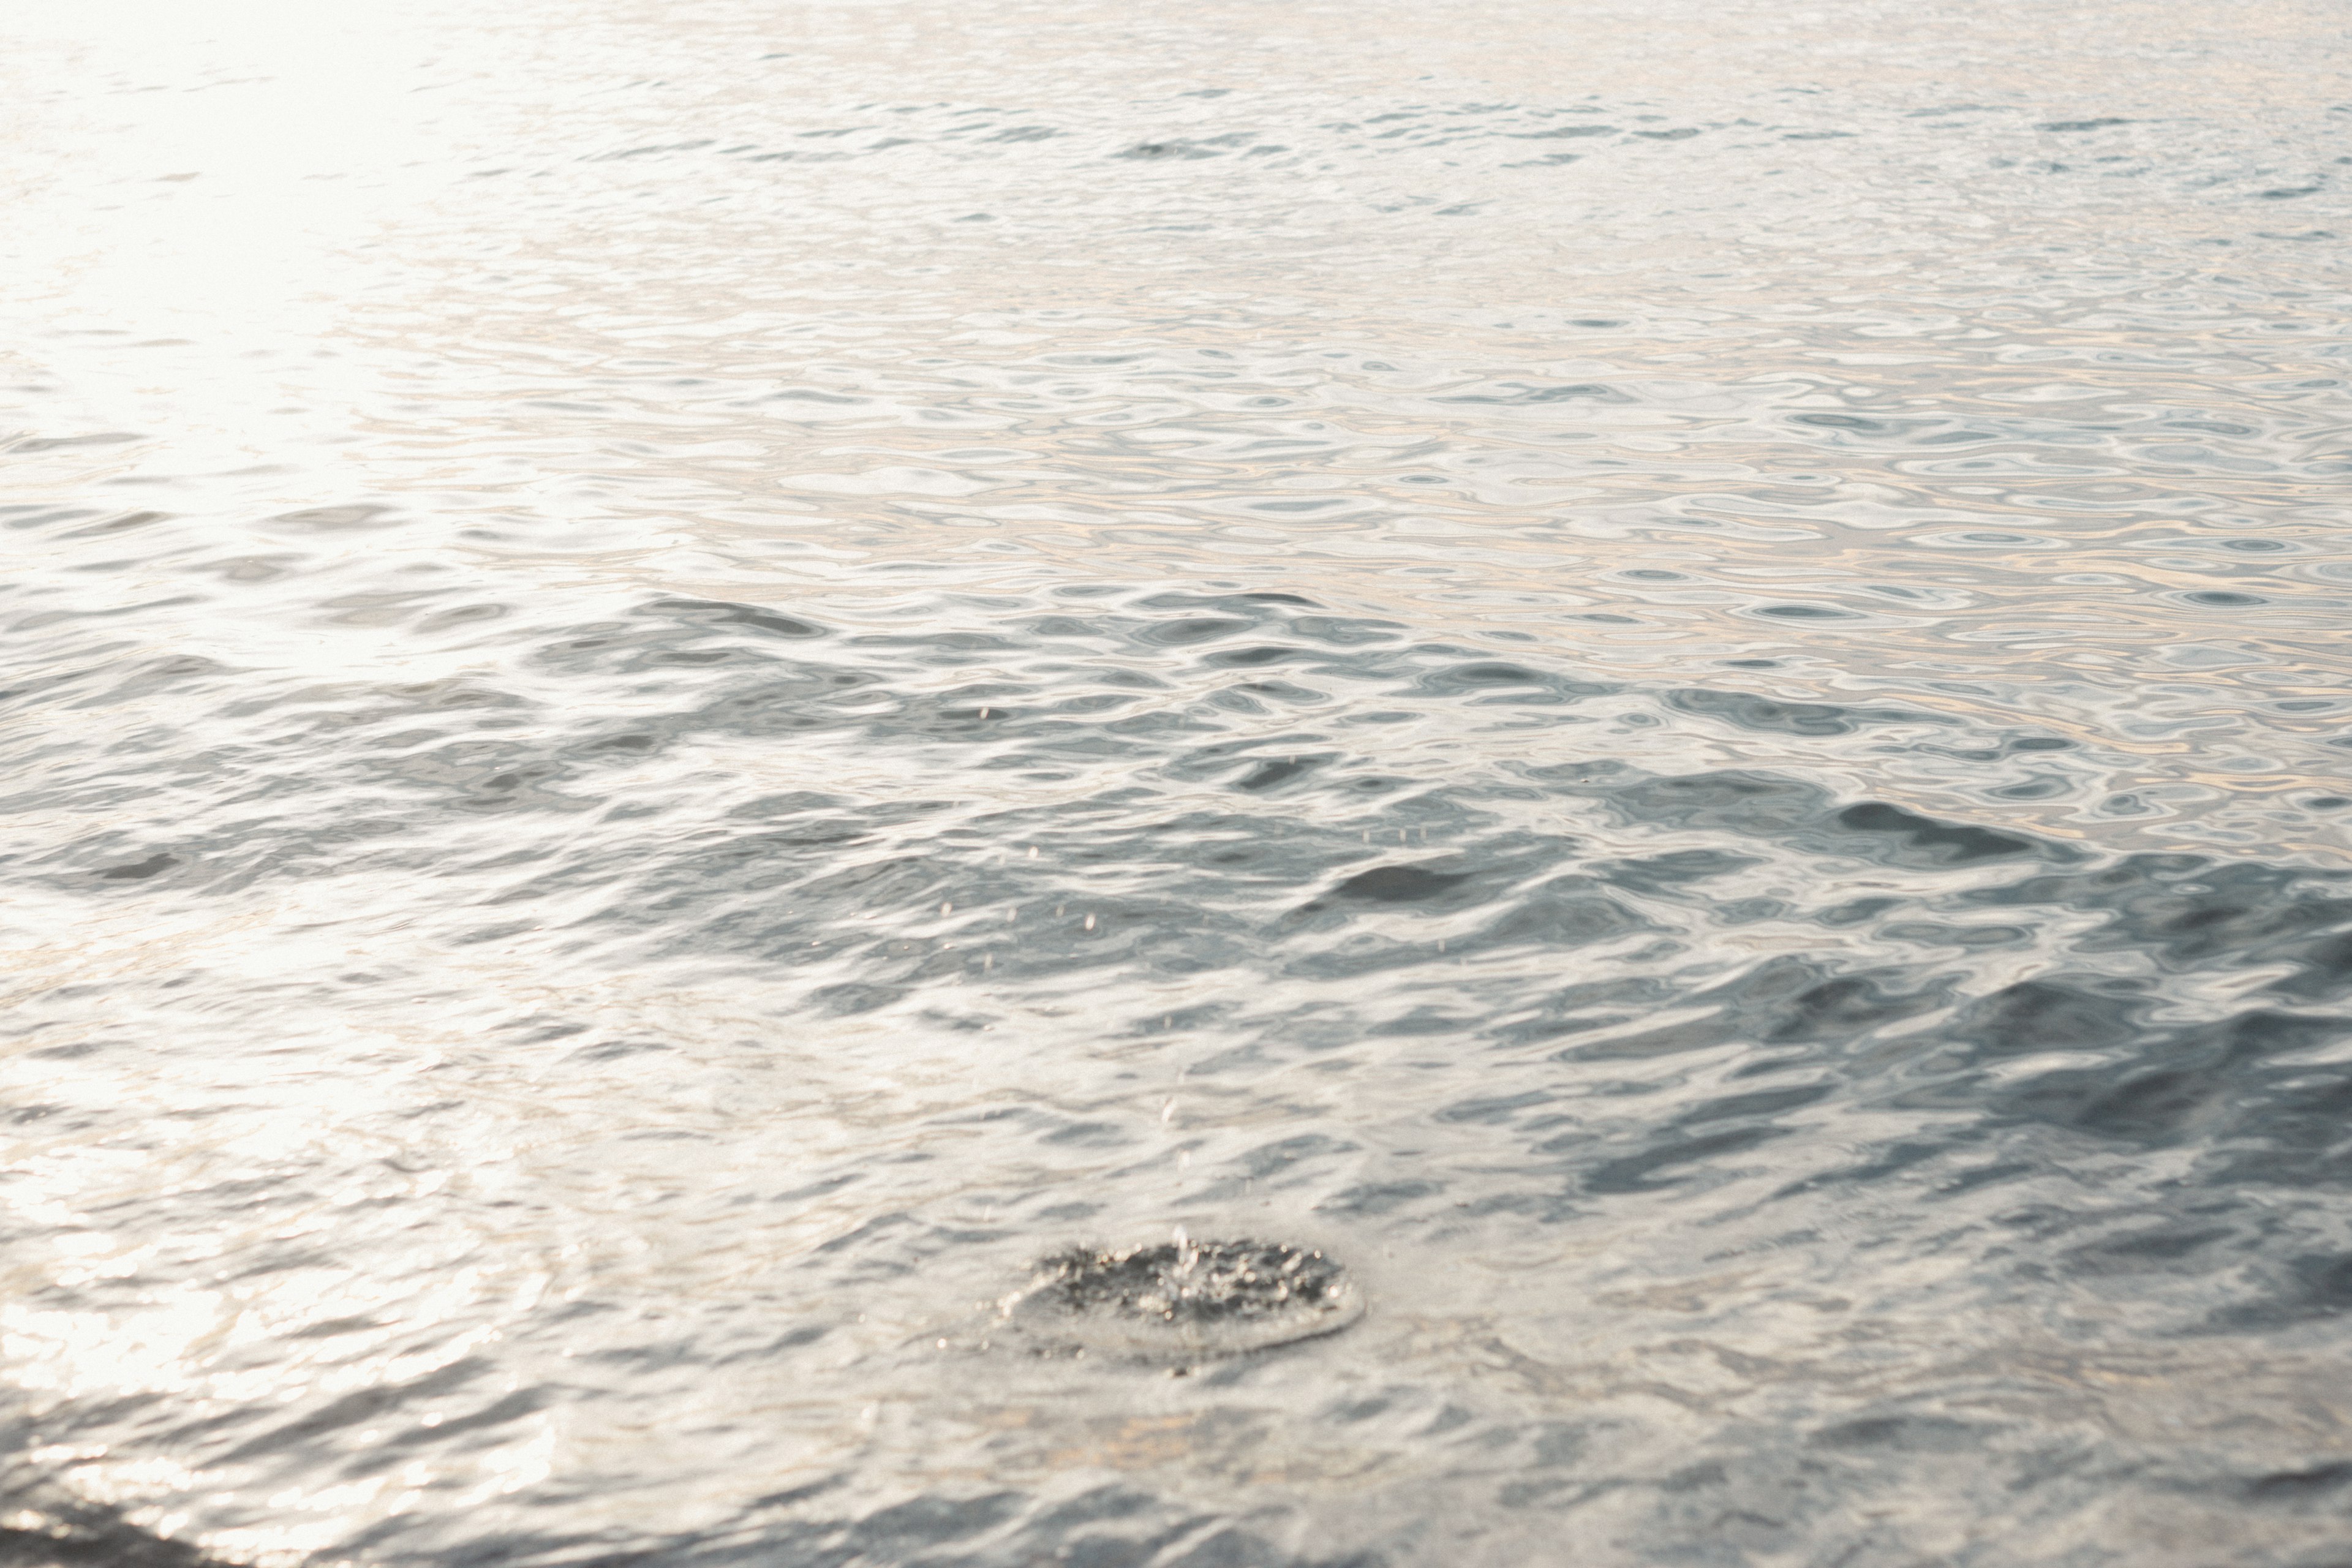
<point>1183,1300</point>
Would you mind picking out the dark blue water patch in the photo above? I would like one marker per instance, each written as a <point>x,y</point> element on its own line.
<point>139,870</point>
<point>1188,630</point>
<point>2190,910</point>
<point>2051,1014</point>
<point>1563,914</point>
<point>1398,884</point>
<point>1672,870</point>
<point>2316,1484</point>
<point>1669,1160</point>
<point>2312,1287</point>
<point>1837,1008</point>
<point>2233,1084</point>
<point>2186,1247</point>
<point>1755,1104</point>
<point>1939,842</point>
<point>1485,678</point>
<point>1804,612</point>
<point>1976,938</point>
<point>717,614</point>
<point>1770,716</point>
<point>1255,658</point>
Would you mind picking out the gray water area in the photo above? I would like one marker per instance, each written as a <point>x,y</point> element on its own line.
<point>683,683</point>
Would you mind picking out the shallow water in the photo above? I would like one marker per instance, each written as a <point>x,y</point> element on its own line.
<point>684,683</point>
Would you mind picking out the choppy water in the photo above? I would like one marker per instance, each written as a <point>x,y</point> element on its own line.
<point>683,682</point>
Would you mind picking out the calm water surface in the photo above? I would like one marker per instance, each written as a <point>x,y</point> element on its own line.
<point>683,681</point>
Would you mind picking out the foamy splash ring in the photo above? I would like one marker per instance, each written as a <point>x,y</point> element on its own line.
<point>1183,1300</point>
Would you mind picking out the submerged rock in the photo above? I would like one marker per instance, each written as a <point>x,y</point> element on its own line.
<point>1182,1301</point>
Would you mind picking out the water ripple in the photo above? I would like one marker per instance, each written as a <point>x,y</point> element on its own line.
<point>680,695</point>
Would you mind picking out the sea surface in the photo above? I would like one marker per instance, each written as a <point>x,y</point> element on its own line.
<point>681,682</point>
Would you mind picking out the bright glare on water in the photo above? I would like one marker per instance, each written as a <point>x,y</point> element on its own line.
<point>685,682</point>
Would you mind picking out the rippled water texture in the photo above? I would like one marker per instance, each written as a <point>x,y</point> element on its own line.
<point>685,682</point>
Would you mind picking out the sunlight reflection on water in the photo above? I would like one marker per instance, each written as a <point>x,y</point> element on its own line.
<point>686,685</point>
